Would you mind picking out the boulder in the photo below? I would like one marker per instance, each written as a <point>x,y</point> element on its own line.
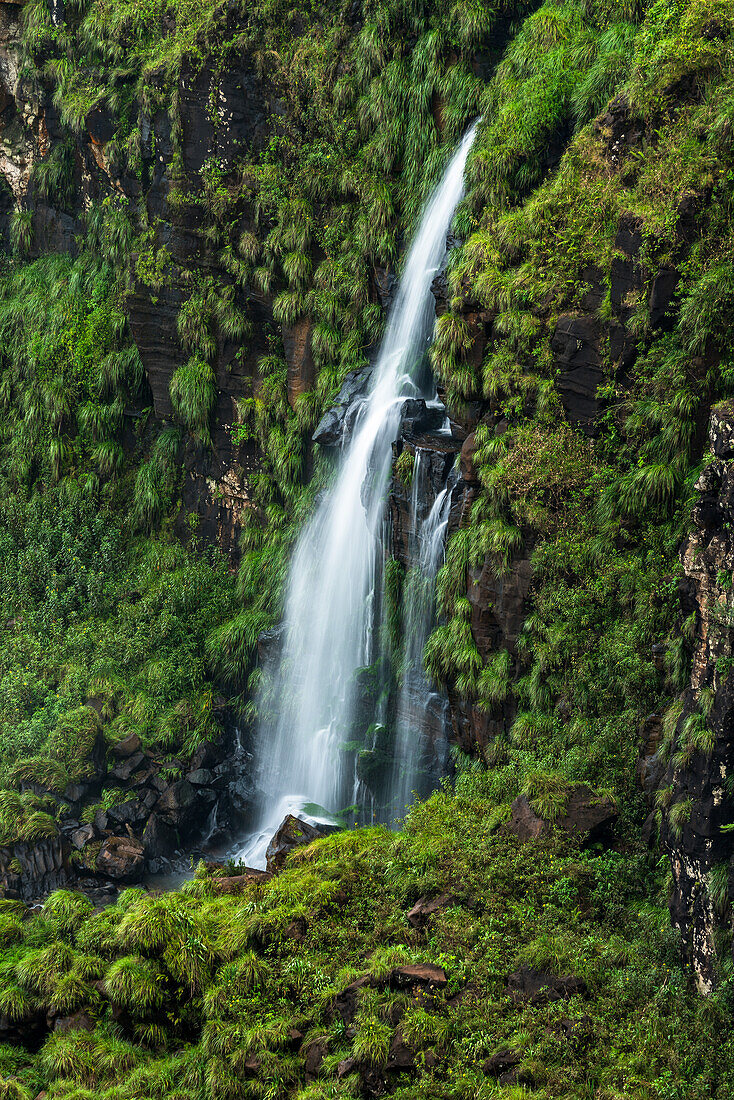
<point>201,777</point>
<point>293,832</point>
<point>122,771</point>
<point>82,836</point>
<point>500,1062</point>
<point>159,838</point>
<point>122,858</point>
<point>236,884</point>
<point>127,747</point>
<point>418,975</point>
<point>345,1004</point>
<point>315,1055</point>
<point>588,816</point>
<point>540,987</point>
<point>296,930</point>
<point>295,1038</point>
<point>401,1055</point>
<point>416,417</point>
<point>524,822</point>
<point>80,1021</point>
<point>425,908</point>
<point>126,813</point>
<point>76,792</point>
<point>349,1065</point>
<point>177,802</point>
<point>206,755</point>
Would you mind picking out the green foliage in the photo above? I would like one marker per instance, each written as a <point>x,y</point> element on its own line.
<point>198,994</point>
<point>180,1007</point>
<point>193,393</point>
<point>93,612</point>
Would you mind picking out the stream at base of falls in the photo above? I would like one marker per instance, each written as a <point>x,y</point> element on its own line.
<point>339,725</point>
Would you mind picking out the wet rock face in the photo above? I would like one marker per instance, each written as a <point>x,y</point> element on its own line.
<point>29,870</point>
<point>701,801</point>
<point>337,422</point>
<point>292,833</point>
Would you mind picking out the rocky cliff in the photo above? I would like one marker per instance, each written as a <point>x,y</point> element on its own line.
<point>696,792</point>
<point>251,175</point>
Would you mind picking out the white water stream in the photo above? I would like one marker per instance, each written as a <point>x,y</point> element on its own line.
<point>419,599</point>
<point>333,572</point>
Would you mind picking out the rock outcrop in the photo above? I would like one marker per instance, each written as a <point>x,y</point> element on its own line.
<point>292,833</point>
<point>587,816</point>
<point>699,817</point>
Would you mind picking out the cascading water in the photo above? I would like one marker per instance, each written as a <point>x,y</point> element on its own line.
<point>333,581</point>
<point>417,701</point>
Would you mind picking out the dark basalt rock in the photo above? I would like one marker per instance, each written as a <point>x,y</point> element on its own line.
<point>619,127</point>
<point>83,836</point>
<point>595,281</point>
<point>207,755</point>
<point>588,816</point>
<point>575,345</point>
<point>121,858</point>
<point>629,234</point>
<point>417,417</point>
<point>525,823</point>
<point>292,833</point>
<point>201,777</point>
<point>176,804</point>
<point>385,283</point>
<point>129,746</point>
<point>122,771</point>
<point>131,812</point>
<point>330,429</point>
<point>701,805</point>
<point>539,987</point>
<point>42,869</point>
<point>418,975</point>
<point>80,1021</point>
<point>315,1055</point>
<point>346,1003</point>
<point>662,292</point>
<point>500,1062</point>
<point>401,1055</point>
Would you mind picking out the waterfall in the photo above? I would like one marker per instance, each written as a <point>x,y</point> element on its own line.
<point>334,580</point>
<point>416,698</point>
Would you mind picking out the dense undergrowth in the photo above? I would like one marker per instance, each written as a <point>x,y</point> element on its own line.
<point>601,519</point>
<point>194,994</point>
<point>205,996</point>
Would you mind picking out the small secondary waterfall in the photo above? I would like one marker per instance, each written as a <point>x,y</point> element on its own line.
<point>416,697</point>
<point>334,581</point>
